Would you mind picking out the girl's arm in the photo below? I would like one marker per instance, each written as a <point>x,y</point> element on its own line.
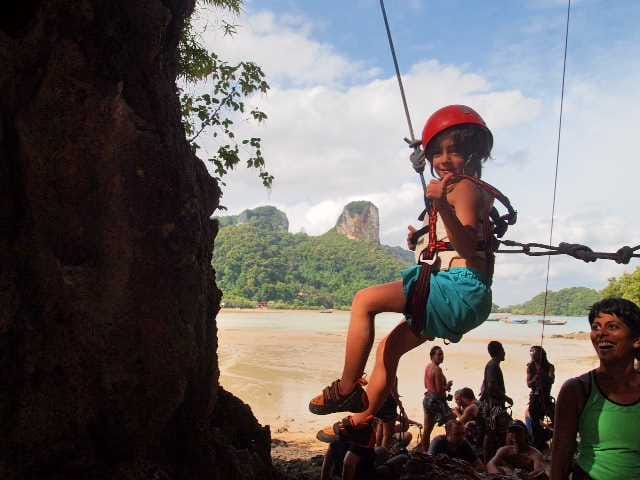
<point>569,404</point>
<point>461,223</point>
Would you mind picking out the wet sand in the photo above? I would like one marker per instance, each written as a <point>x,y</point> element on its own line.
<point>277,372</point>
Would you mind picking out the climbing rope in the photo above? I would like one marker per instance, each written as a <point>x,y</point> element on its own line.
<point>412,141</point>
<point>555,181</point>
<point>623,255</point>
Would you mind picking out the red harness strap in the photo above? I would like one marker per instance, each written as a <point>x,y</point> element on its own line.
<point>416,307</point>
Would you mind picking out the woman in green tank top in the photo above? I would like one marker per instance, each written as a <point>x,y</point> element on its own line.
<point>602,407</point>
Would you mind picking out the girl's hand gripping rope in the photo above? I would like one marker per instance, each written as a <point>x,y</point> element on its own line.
<point>418,159</point>
<point>437,190</point>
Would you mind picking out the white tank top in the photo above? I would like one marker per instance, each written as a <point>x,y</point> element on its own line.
<point>446,257</point>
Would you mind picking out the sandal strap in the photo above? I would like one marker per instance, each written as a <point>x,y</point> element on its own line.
<point>331,394</point>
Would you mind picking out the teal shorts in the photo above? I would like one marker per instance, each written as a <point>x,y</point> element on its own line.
<point>459,301</point>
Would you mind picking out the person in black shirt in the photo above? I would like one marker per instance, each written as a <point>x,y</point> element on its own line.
<point>454,445</point>
<point>540,378</point>
<point>494,419</point>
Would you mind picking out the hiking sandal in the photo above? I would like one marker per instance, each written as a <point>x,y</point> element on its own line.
<point>346,431</point>
<point>330,400</point>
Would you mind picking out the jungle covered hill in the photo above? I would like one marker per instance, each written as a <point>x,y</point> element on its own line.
<point>576,301</point>
<point>258,260</point>
<point>573,302</point>
<point>294,270</point>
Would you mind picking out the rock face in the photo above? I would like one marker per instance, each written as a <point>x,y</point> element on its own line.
<point>107,298</point>
<point>266,216</point>
<point>360,221</point>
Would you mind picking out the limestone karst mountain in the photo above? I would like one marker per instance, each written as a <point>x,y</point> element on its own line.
<point>360,221</point>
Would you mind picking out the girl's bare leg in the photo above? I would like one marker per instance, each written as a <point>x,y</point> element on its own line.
<point>388,297</point>
<point>391,348</point>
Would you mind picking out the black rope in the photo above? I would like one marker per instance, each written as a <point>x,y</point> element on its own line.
<point>582,252</point>
<point>555,182</point>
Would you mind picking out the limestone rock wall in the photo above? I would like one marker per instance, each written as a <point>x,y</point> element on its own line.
<point>107,297</point>
<point>360,221</point>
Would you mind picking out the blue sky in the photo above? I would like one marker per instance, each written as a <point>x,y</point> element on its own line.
<point>336,124</point>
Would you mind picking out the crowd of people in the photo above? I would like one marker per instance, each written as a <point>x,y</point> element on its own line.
<point>588,434</point>
<point>480,430</point>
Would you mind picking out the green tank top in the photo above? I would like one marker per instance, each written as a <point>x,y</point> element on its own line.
<point>609,447</point>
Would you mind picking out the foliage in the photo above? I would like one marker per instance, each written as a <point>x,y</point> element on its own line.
<point>573,301</point>
<point>626,286</point>
<point>229,85</point>
<point>358,207</point>
<point>268,216</point>
<point>296,270</point>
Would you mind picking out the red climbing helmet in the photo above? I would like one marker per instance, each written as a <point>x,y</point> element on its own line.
<point>452,116</point>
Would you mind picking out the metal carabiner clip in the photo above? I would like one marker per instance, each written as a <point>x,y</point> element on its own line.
<point>428,261</point>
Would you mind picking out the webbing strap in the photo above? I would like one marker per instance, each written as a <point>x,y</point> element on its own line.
<point>416,307</point>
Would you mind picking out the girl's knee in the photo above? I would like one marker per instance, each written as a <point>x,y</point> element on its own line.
<point>363,300</point>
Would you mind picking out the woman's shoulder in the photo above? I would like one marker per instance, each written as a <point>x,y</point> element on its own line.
<point>577,387</point>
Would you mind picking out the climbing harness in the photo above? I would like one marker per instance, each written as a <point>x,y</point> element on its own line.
<point>494,226</point>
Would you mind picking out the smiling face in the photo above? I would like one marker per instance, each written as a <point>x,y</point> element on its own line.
<point>448,159</point>
<point>612,339</point>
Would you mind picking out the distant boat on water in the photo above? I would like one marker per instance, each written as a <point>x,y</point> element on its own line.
<point>519,321</point>
<point>326,310</point>
<point>499,317</point>
<point>552,321</point>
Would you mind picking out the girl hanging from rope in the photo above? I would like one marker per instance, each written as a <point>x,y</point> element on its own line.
<point>445,295</point>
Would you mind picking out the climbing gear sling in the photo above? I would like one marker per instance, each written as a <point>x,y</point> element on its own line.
<point>493,225</point>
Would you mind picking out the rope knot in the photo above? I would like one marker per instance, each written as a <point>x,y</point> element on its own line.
<point>624,254</point>
<point>581,252</point>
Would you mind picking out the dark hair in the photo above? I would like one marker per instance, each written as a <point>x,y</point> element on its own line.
<point>494,348</point>
<point>433,351</point>
<point>625,310</point>
<point>466,392</point>
<point>518,425</point>
<point>543,353</point>
<point>471,141</point>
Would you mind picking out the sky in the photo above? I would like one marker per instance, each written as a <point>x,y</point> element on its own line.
<point>336,125</point>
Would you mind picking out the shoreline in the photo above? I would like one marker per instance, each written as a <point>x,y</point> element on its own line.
<point>258,310</point>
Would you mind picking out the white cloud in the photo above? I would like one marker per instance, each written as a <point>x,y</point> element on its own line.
<point>334,135</point>
<point>283,46</point>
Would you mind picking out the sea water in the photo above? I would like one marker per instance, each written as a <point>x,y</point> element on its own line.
<point>338,321</point>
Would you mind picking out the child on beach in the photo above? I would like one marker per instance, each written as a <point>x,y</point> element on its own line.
<point>455,141</point>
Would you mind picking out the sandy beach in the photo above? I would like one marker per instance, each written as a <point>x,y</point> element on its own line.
<point>277,360</point>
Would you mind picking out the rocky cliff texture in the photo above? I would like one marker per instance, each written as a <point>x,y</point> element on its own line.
<point>360,221</point>
<point>107,298</point>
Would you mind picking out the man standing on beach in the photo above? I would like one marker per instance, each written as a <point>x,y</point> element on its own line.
<point>493,418</point>
<point>434,403</point>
